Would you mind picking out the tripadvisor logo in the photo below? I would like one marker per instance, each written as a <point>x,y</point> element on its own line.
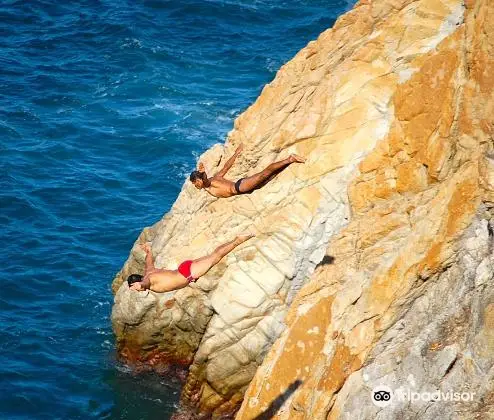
<point>383,395</point>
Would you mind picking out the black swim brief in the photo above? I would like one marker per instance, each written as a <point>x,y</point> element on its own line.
<point>237,185</point>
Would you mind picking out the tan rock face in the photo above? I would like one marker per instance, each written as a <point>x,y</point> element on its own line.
<point>386,223</point>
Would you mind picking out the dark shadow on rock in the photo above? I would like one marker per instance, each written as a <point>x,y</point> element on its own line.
<point>327,260</point>
<point>278,402</point>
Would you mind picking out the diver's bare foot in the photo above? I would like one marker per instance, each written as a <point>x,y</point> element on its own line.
<point>296,158</point>
<point>240,239</point>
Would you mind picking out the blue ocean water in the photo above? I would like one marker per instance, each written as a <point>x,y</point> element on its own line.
<point>104,107</point>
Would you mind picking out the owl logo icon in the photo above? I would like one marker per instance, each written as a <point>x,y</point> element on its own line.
<point>381,396</point>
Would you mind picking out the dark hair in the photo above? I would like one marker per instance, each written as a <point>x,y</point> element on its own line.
<point>134,278</point>
<point>196,175</point>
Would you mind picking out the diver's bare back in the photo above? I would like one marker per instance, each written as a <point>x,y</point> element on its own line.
<point>166,280</point>
<point>221,187</point>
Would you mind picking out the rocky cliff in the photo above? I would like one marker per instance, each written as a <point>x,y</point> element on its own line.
<point>372,262</point>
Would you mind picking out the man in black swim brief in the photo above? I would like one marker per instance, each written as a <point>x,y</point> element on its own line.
<point>220,187</point>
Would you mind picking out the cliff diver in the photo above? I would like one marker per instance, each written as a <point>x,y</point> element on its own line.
<point>159,280</point>
<point>220,187</point>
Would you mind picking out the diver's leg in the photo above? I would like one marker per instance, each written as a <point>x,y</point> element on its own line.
<point>202,265</point>
<point>255,181</point>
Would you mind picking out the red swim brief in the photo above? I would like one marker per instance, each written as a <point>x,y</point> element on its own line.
<point>184,270</point>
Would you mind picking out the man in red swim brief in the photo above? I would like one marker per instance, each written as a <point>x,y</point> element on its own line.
<point>184,269</point>
<point>159,280</point>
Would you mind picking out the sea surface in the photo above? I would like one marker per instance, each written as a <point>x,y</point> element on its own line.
<point>104,108</point>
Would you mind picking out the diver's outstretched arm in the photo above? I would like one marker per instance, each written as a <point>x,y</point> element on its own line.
<point>149,267</point>
<point>229,163</point>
